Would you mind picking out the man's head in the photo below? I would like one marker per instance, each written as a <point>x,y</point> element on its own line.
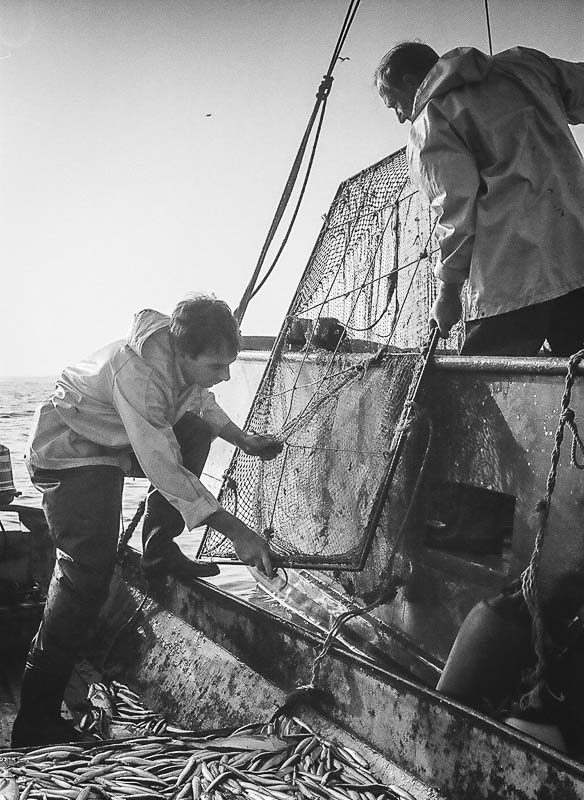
<point>206,337</point>
<point>400,73</point>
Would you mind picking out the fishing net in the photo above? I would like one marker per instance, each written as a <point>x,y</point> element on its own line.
<point>338,385</point>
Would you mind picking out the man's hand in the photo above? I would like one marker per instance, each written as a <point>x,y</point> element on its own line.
<point>266,447</point>
<point>254,444</point>
<point>447,308</point>
<point>251,549</point>
<point>254,551</point>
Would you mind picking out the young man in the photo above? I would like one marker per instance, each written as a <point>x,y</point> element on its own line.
<point>141,407</point>
<point>490,146</point>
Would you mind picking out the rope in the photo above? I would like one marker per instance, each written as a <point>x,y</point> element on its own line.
<point>488,26</point>
<point>298,204</point>
<point>326,375</point>
<point>529,585</point>
<point>385,595</point>
<point>321,99</point>
<point>126,535</point>
<point>361,288</point>
<point>425,253</point>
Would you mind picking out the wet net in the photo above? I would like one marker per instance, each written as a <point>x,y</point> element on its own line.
<point>338,385</point>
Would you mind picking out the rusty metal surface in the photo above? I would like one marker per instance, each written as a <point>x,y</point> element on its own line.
<point>177,669</point>
<point>496,431</point>
<point>211,659</point>
<point>493,430</point>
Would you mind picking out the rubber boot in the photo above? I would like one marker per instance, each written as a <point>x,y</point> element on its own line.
<point>39,721</point>
<point>160,554</point>
<point>163,523</point>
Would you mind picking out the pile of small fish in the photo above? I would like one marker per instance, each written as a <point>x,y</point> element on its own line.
<point>116,710</point>
<point>280,760</point>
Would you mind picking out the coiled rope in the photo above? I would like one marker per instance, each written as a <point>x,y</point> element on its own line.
<point>529,577</point>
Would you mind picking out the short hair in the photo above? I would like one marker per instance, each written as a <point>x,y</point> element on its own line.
<point>202,323</point>
<point>406,58</point>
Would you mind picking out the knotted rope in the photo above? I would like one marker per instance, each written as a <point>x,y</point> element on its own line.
<point>529,578</point>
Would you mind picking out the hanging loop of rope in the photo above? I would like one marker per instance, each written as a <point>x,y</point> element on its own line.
<point>569,418</point>
<point>529,577</point>
<point>320,105</point>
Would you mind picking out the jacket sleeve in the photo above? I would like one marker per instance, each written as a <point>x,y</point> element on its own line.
<point>212,412</point>
<point>445,170</point>
<point>142,407</point>
<point>570,79</point>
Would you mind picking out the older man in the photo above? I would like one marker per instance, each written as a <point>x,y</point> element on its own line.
<point>140,406</point>
<point>491,148</point>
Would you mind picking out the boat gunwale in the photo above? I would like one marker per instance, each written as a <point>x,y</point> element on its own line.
<point>451,362</point>
<point>348,657</point>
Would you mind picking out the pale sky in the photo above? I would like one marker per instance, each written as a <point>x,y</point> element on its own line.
<point>118,191</point>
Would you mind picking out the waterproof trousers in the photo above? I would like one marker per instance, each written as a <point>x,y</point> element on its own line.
<point>83,506</point>
<point>162,522</point>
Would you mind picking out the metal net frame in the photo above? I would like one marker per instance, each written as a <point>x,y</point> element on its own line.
<point>338,382</point>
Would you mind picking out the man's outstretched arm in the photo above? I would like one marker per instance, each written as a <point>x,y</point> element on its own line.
<point>251,549</point>
<point>266,447</point>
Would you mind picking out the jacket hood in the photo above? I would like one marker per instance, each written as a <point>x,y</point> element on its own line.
<point>456,68</point>
<point>145,324</point>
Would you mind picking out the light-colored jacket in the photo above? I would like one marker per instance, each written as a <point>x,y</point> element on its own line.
<point>490,146</point>
<point>124,400</point>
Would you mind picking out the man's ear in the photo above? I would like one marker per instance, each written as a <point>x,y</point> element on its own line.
<point>410,82</point>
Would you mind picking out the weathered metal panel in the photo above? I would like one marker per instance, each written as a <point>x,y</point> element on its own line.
<point>465,755</point>
<point>496,429</point>
<point>494,422</point>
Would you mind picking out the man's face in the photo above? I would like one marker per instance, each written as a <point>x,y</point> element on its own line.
<point>208,368</point>
<point>400,99</point>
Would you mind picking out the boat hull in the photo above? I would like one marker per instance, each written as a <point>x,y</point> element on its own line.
<point>236,663</point>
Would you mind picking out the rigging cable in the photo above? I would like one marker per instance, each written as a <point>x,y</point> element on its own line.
<point>488,27</point>
<point>296,209</point>
<point>321,98</point>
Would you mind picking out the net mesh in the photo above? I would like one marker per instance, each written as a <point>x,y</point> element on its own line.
<point>337,384</point>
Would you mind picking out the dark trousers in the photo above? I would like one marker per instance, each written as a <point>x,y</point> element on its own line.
<point>83,507</point>
<point>522,332</point>
<point>162,522</point>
